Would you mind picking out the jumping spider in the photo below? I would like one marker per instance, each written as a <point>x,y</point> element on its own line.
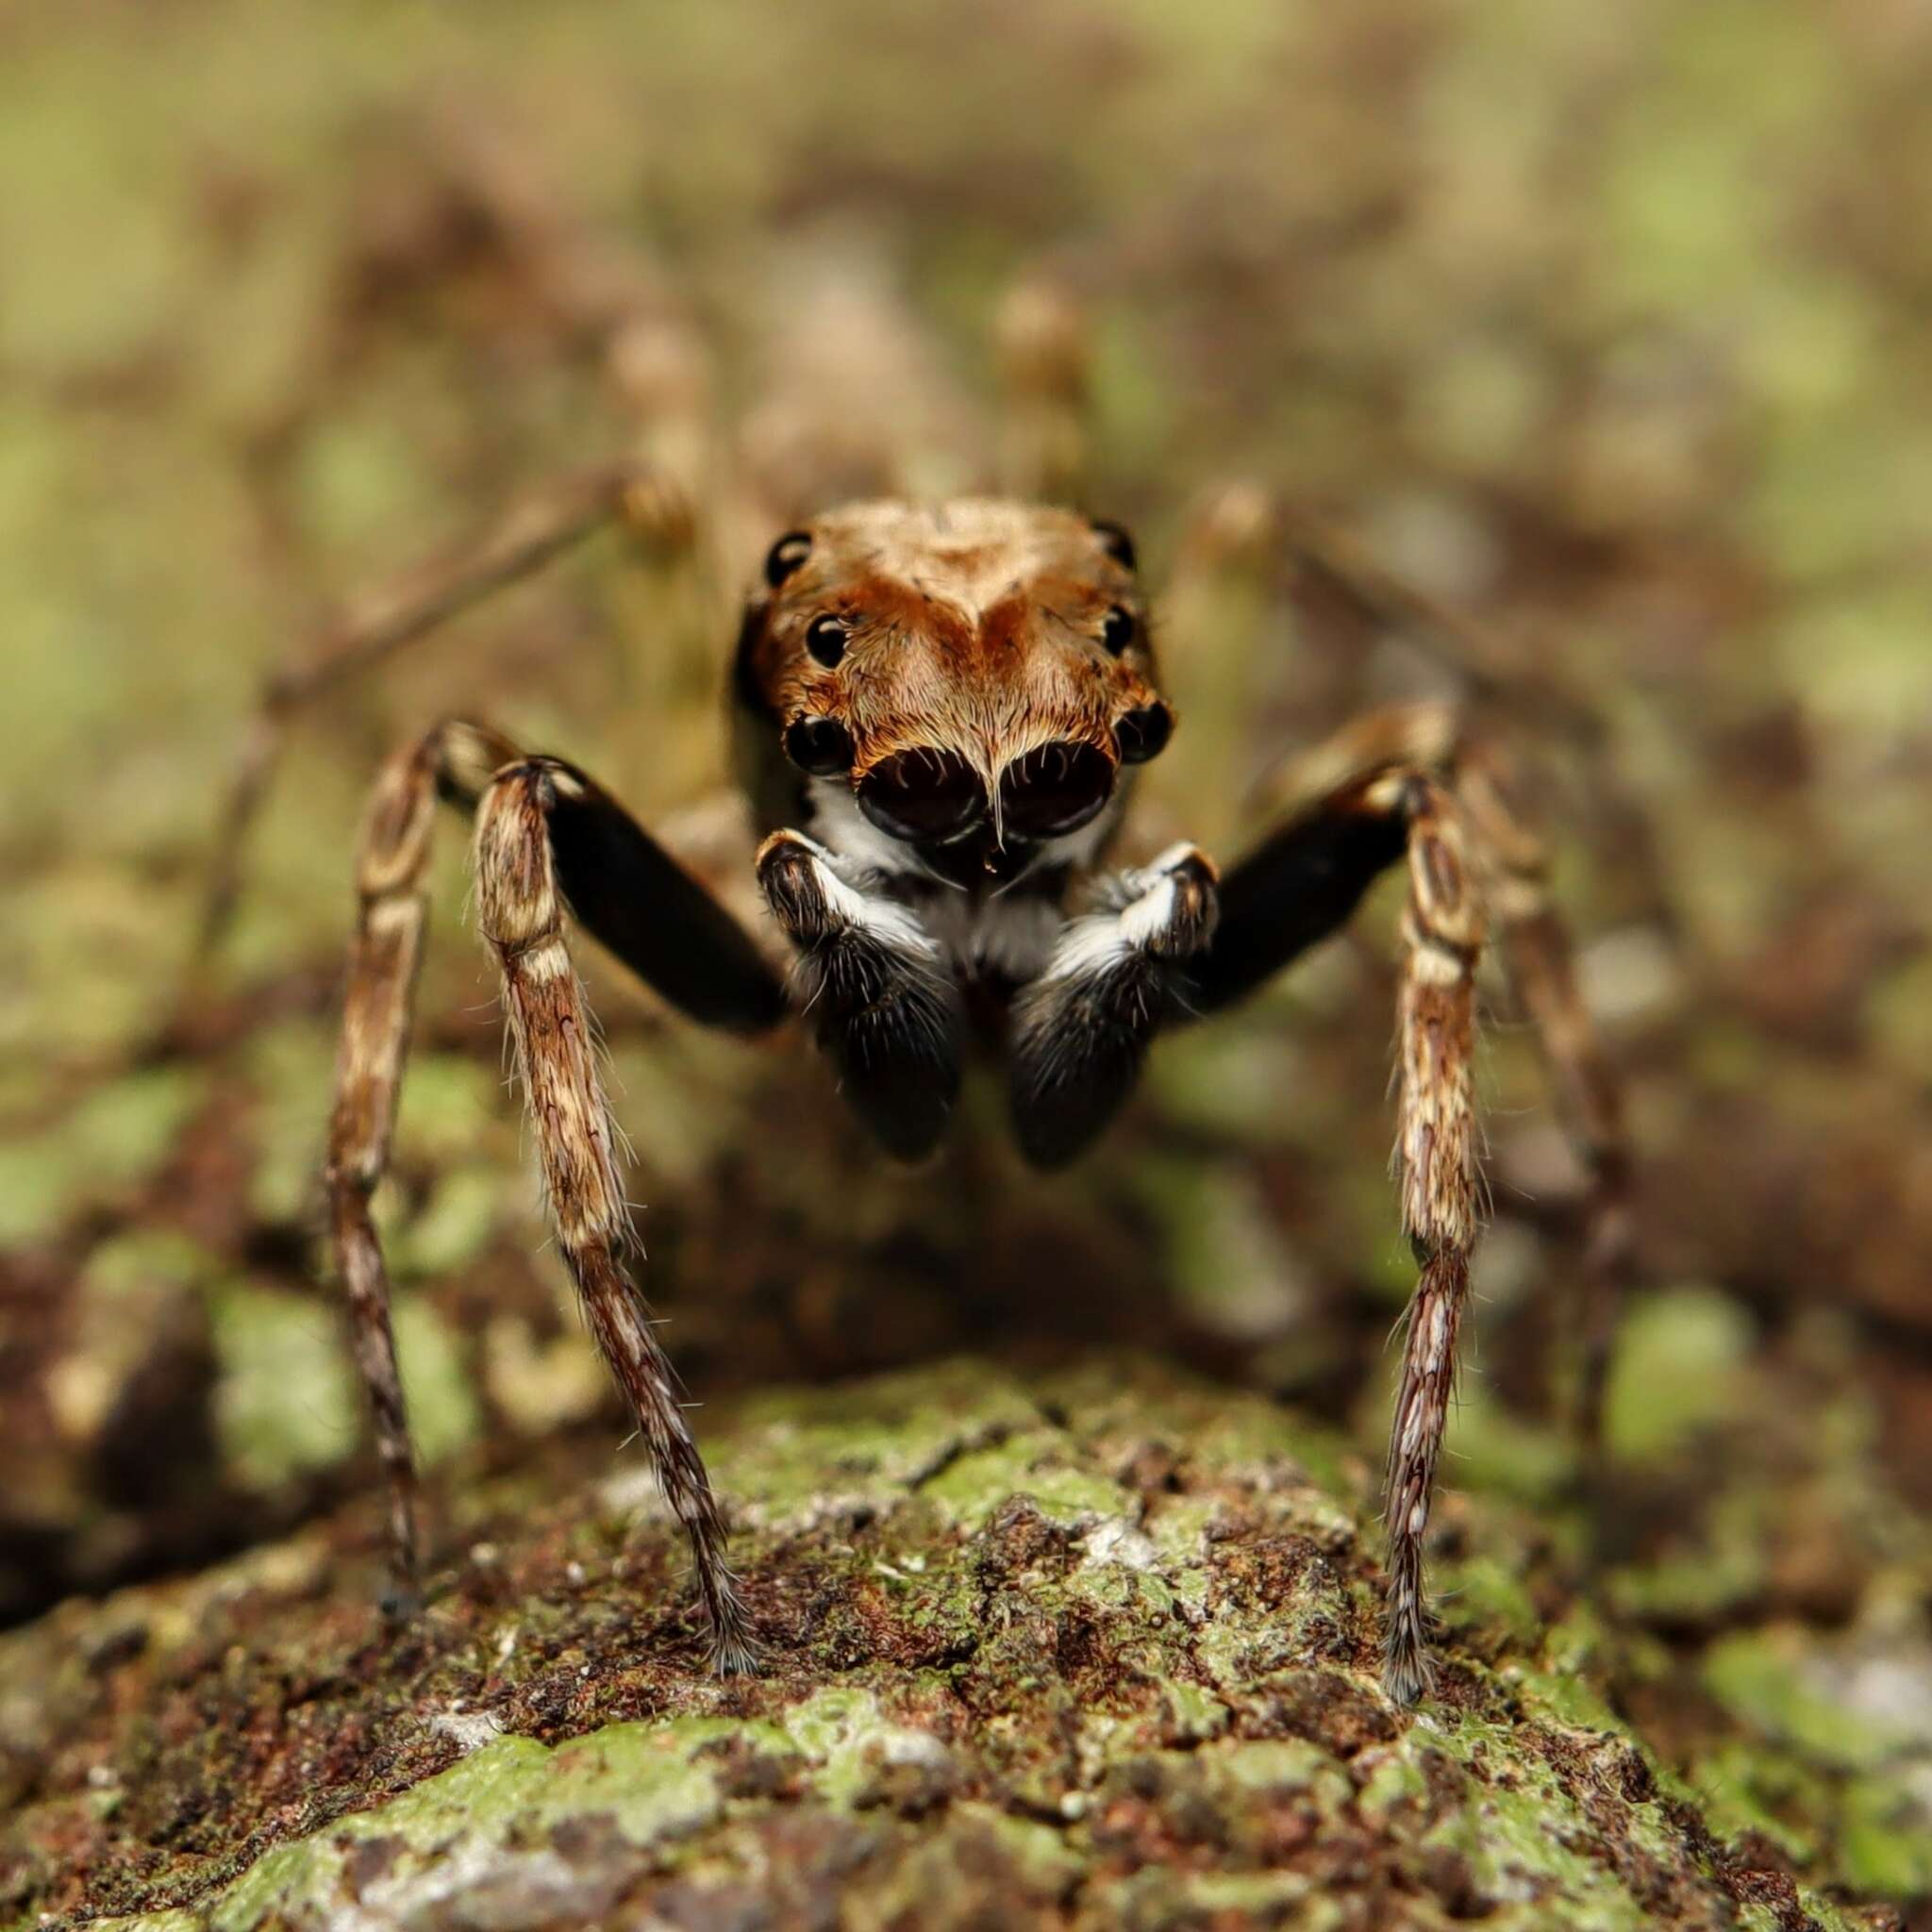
<point>938,710</point>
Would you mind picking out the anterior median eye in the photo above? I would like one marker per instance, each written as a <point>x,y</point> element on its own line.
<point>825,640</point>
<point>1055,789</point>
<point>1117,629</point>
<point>922,794</point>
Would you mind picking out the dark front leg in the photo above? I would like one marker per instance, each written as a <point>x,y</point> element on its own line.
<point>1082,1029</point>
<point>1297,888</point>
<point>625,890</point>
<point>1342,826</point>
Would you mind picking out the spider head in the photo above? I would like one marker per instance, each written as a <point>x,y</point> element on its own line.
<point>974,674</point>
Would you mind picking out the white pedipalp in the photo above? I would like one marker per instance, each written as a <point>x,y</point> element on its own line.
<point>894,926</point>
<point>1098,941</point>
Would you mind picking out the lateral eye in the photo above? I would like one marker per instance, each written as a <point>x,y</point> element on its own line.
<point>1117,629</point>
<point>825,638</point>
<point>786,555</point>
<point>1116,542</point>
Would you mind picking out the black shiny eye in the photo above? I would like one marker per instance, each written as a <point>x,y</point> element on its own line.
<point>1143,734</point>
<point>922,794</point>
<point>1055,789</point>
<point>1116,542</point>
<point>786,555</point>
<point>822,747</point>
<point>1117,629</point>
<point>825,640</point>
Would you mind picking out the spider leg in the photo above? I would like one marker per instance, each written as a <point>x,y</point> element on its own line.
<point>384,954</point>
<point>1044,359</point>
<point>1306,879</point>
<point>873,982</point>
<point>1321,864</point>
<point>1442,931</point>
<point>1407,783</point>
<point>1539,960</point>
<point>1081,1030</point>
<point>408,607</point>
<point>543,833</point>
<point>1323,557</point>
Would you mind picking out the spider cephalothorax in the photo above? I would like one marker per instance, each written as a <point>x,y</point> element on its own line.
<point>937,708</point>
<point>970,677</point>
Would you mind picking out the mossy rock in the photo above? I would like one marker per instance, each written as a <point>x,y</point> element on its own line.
<point>1095,1648</point>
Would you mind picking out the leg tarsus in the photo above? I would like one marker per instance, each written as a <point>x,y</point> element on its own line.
<point>1421,1405</point>
<point>359,1255</point>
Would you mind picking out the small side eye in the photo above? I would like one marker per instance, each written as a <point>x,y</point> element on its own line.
<point>786,555</point>
<point>825,640</point>
<point>1117,629</point>
<point>1116,542</point>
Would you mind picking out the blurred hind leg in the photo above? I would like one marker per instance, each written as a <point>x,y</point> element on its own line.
<point>407,607</point>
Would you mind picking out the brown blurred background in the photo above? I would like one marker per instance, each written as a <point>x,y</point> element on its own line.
<point>1607,329</point>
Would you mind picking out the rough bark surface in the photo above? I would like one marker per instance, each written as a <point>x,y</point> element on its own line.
<point>1097,1648</point>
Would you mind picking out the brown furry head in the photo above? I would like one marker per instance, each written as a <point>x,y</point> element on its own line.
<point>978,671</point>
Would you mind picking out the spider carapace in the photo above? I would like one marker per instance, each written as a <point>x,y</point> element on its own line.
<point>938,710</point>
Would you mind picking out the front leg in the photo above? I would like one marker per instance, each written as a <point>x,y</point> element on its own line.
<point>874,982</point>
<point>1082,1029</point>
